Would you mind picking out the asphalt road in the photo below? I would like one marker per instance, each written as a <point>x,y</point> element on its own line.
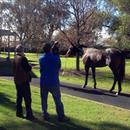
<point>98,95</point>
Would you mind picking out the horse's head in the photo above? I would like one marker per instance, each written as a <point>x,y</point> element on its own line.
<point>73,50</point>
<point>55,48</point>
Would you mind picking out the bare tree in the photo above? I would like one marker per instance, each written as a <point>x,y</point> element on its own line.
<point>82,21</point>
<point>54,12</point>
<point>18,17</point>
<point>36,20</point>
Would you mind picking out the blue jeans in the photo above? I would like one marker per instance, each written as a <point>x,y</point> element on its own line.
<point>55,91</point>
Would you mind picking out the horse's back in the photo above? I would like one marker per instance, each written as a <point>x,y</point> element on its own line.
<point>94,57</point>
<point>113,51</point>
<point>114,54</point>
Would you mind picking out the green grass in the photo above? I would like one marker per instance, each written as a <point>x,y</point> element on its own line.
<point>104,75</point>
<point>83,114</point>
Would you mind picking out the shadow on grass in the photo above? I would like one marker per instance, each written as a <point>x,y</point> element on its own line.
<point>2,128</point>
<point>5,101</point>
<point>53,124</point>
<point>72,124</point>
<point>6,68</point>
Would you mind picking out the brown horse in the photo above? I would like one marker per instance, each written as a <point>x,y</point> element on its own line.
<point>112,57</point>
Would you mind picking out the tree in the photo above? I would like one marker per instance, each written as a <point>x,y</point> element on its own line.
<point>54,13</point>
<point>83,22</point>
<point>18,17</point>
<point>34,21</point>
<point>119,25</point>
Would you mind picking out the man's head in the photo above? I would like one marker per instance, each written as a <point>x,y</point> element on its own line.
<point>19,48</point>
<point>47,48</point>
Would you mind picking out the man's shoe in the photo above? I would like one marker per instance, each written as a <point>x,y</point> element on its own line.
<point>31,118</point>
<point>20,115</point>
<point>63,119</point>
<point>46,116</point>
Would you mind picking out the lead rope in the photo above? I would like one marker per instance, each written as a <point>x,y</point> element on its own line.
<point>63,73</point>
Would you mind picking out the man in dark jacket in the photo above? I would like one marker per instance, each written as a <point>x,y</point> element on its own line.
<point>22,69</point>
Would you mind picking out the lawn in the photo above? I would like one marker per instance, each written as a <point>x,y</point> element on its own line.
<point>84,114</point>
<point>104,75</point>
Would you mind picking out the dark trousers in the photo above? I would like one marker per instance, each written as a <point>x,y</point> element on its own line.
<point>23,91</point>
<point>55,91</point>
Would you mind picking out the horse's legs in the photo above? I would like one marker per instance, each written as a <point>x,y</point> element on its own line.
<point>94,79</point>
<point>86,76</point>
<point>113,86</point>
<point>115,78</point>
<point>119,86</point>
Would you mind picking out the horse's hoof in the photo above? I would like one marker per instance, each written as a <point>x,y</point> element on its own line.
<point>95,86</point>
<point>117,93</point>
<point>84,86</point>
<point>111,90</point>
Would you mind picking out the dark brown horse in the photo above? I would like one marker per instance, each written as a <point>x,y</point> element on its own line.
<point>112,57</point>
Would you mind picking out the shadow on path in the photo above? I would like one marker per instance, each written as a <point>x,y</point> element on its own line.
<point>92,90</point>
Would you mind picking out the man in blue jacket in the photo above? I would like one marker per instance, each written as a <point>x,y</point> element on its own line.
<point>49,81</point>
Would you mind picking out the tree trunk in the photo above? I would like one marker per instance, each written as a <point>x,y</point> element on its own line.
<point>8,57</point>
<point>77,62</point>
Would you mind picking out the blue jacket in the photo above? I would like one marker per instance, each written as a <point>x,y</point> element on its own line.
<point>49,69</point>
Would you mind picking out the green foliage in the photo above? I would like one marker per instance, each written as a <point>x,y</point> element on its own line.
<point>121,25</point>
<point>122,5</point>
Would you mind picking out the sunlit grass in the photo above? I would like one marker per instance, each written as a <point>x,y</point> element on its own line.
<point>84,114</point>
<point>104,75</point>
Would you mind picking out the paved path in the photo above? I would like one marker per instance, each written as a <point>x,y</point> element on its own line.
<point>98,95</point>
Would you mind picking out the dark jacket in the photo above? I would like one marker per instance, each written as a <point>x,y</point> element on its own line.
<point>21,69</point>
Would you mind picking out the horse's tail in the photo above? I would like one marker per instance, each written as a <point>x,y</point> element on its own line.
<point>122,67</point>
